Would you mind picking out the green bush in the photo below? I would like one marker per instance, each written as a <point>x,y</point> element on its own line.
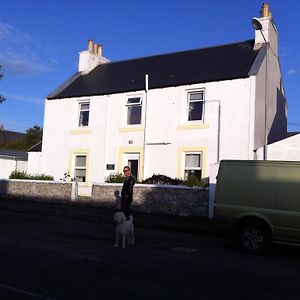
<point>192,180</point>
<point>115,178</point>
<point>162,179</point>
<point>24,175</point>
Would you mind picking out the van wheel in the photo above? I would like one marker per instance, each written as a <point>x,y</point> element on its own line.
<point>254,237</point>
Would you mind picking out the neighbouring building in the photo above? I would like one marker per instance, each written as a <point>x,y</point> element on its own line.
<point>12,160</point>
<point>171,114</point>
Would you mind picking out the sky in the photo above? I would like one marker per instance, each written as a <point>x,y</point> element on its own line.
<point>40,42</point>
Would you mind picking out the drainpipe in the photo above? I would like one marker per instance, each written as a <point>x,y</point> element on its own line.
<point>145,124</point>
<point>219,126</point>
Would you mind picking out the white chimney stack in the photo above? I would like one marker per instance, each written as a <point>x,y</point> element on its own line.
<point>268,31</point>
<point>91,58</point>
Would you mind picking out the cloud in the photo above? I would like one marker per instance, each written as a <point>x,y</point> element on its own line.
<point>20,54</point>
<point>25,99</point>
<point>291,71</point>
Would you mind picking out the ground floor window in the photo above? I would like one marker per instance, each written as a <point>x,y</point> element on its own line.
<point>80,168</point>
<point>192,165</point>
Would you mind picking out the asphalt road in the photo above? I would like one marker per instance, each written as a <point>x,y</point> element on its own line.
<point>56,257</point>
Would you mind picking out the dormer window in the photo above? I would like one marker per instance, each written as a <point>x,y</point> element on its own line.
<point>84,112</point>
<point>134,110</point>
<point>195,106</point>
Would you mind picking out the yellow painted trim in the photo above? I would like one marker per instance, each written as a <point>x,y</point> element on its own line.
<point>81,131</point>
<point>192,126</point>
<point>77,151</point>
<point>182,150</point>
<point>129,150</point>
<point>131,129</point>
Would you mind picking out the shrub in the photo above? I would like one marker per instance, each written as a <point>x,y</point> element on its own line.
<point>24,175</point>
<point>115,178</point>
<point>192,180</point>
<point>162,179</point>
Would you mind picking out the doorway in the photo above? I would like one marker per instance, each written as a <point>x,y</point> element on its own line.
<point>132,160</point>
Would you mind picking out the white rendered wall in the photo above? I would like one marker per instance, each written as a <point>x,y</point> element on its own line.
<point>8,165</point>
<point>34,162</point>
<point>108,134</point>
<point>287,149</point>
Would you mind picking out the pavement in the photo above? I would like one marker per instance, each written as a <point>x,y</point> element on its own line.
<point>88,212</point>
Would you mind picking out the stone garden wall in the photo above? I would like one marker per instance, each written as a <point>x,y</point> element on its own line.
<point>164,199</point>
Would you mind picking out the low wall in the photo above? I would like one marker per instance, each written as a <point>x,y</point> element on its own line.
<point>162,199</point>
<point>35,189</point>
<point>172,200</point>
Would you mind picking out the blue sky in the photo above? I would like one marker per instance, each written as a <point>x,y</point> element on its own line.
<point>40,42</point>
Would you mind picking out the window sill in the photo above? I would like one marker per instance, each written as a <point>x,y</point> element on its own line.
<point>131,129</point>
<point>81,131</point>
<point>192,126</point>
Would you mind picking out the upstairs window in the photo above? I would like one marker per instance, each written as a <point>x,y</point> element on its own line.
<point>80,168</point>
<point>192,165</point>
<point>134,110</point>
<point>84,112</point>
<point>195,106</point>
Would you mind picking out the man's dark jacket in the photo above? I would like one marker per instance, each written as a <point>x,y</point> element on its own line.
<point>127,189</point>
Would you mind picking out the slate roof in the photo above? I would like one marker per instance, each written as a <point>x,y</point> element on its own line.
<point>10,136</point>
<point>225,62</point>
<point>13,153</point>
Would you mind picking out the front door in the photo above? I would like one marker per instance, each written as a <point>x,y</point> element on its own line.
<point>132,160</point>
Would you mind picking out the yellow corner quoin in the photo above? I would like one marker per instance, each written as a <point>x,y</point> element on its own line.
<point>79,151</point>
<point>129,150</point>
<point>182,150</point>
<point>192,126</point>
<point>81,131</point>
<point>131,129</point>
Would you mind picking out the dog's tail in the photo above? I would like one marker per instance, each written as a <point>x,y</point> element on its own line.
<point>131,218</point>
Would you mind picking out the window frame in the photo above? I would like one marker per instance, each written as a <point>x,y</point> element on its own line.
<point>194,168</point>
<point>80,167</point>
<point>129,105</point>
<point>80,110</point>
<point>189,93</point>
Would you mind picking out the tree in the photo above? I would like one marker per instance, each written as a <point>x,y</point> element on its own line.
<point>2,99</point>
<point>33,136</point>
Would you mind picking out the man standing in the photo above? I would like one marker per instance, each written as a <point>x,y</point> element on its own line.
<point>127,191</point>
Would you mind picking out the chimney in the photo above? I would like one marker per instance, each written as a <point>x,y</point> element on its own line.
<point>90,45</point>
<point>90,59</point>
<point>268,31</point>
<point>265,11</point>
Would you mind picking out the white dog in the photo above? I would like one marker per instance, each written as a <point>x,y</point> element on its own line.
<point>124,229</point>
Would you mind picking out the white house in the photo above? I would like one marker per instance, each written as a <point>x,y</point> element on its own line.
<point>170,114</point>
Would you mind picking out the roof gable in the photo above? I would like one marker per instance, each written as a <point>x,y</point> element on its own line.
<point>188,67</point>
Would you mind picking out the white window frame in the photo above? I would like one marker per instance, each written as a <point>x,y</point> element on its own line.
<point>194,168</point>
<point>191,101</point>
<point>82,110</point>
<point>79,167</point>
<point>139,104</point>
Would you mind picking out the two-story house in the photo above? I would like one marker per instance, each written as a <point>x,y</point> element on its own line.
<point>171,114</point>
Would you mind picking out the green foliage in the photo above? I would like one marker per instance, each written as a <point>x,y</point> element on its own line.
<point>115,178</point>
<point>33,136</point>
<point>24,175</point>
<point>162,179</point>
<point>192,180</point>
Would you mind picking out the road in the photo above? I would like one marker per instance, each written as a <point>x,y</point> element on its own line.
<point>56,257</point>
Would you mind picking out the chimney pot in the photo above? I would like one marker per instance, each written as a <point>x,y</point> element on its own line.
<point>95,48</point>
<point>100,49</point>
<point>265,11</point>
<point>90,45</point>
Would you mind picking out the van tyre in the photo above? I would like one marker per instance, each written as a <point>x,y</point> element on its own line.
<point>254,237</point>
